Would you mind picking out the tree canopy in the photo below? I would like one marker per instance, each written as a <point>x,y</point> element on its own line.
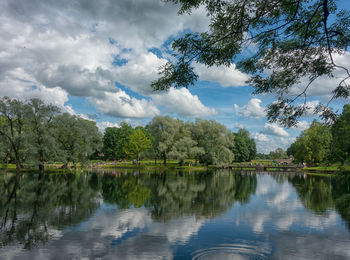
<point>292,43</point>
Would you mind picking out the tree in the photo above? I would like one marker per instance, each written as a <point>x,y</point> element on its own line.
<point>295,43</point>
<point>164,130</point>
<point>312,146</point>
<point>137,143</point>
<point>341,136</point>
<point>114,141</point>
<point>216,140</point>
<point>186,148</point>
<point>279,153</point>
<point>245,147</point>
<point>12,129</point>
<point>77,138</point>
<point>39,119</point>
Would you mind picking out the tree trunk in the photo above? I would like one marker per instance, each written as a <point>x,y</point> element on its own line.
<point>41,164</point>
<point>164,158</point>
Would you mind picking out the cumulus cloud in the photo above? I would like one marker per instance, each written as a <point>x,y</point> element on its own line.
<point>275,130</point>
<point>261,137</point>
<point>302,125</point>
<point>226,76</point>
<point>323,86</point>
<point>138,73</point>
<point>121,104</point>
<point>252,109</point>
<point>238,125</point>
<point>54,49</point>
<point>182,102</point>
<point>105,124</point>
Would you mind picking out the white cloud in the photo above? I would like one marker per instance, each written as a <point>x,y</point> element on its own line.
<point>260,137</point>
<point>182,102</point>
<point>324,86</point>
<point>275,130</point>
<point>252,109</point>
<point>105,124</point>
<point>238,125</point>
<point>138,73</point>
<point>302,125</point>
<point>122,105</point>
<point>226,76</point>
<point>63,48</point>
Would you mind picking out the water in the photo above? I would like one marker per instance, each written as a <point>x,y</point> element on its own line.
<point>175,215</point>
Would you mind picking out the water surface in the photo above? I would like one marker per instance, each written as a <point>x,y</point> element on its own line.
<point>174,215</point>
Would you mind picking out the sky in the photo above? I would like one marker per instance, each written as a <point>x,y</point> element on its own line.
<point>96,59</point>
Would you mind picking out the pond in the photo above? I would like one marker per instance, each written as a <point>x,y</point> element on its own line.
<point>125,214</point>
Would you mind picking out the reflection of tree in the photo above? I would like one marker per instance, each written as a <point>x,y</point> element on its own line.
<point>202,195</point>
<point>171,195</point>
<point>32,207</point>
<point>341,196</point>
<point>323,193</point>
<point>126,191</point>
<point>315,193</point>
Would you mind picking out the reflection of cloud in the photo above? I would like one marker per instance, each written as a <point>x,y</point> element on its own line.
<point>178,229</point>
<point>120,234</point>
<point>310,246</point>
<point>282,209</point>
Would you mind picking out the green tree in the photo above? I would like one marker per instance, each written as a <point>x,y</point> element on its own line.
<point>216,140</point>
<point>39,120</point>
<point>78,138</point>
<point>114,141</point>
<point>165,132</point>
<point>138,142</point>
<point>294,42</point>
<point>341,136</point>
<point>12,130</point>
<point>313,145</point>
<point>244,148</point>
<point>279,153</point>
<point>186,148</point>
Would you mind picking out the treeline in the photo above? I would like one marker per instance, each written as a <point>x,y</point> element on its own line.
<point>33,133</point>
<point>324,144</point>
<point>207,142</point>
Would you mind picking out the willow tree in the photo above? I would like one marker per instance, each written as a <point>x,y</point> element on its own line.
<point>294,44</point>
<point>12,130</point>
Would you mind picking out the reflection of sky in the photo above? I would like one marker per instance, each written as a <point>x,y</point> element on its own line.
<point>274,224</point>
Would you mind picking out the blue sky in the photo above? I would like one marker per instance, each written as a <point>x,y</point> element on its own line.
<point>97,59</point>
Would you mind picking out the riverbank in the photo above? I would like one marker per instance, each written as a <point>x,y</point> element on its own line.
<point>189,165</point>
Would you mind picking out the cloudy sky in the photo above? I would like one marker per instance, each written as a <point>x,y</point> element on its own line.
<point>97,59</point>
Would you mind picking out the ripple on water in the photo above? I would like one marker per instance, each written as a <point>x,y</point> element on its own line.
<point>242,250</point>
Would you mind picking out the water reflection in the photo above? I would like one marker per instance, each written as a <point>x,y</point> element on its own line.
<point>34,208</point>
<point>129,215</point>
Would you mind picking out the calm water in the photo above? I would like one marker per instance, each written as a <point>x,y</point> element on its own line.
<point>177,215</point>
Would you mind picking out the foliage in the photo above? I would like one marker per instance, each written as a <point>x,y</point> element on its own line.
<point>294,44</point>
<point>244,148</point>
<point>12,130</point>
<point>216,140</point>
<point>340,147</point>
<point>137,143</point>
<point>279,153</point>
<point>313,145</point>
<point>114,141</point>
<point>77,138</point>
<point>34,133</point>
<point>39,121</point>
<point>164,130</point>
